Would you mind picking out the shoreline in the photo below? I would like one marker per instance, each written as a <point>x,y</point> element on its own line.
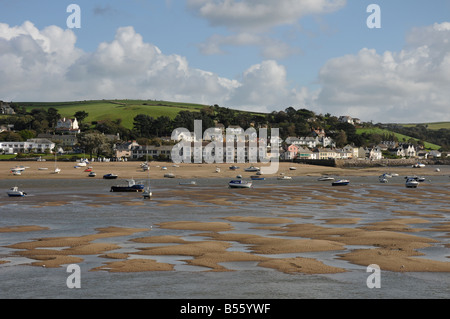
<point>128,170</point>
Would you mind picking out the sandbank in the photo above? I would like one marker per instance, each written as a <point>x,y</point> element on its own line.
<point>132,169</point>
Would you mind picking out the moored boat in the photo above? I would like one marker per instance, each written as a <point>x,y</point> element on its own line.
<point>92,174</point>
<point>325,178</point>
<point>131,186</point>
<point>147,194</point>
<point>411,183</point>
<point>188,183</point>
<point>15,192</point>
<point>239,184</point>
<point>257,178</point>
<point>251,169</point>
<point>383,179</point>
<point>110,176</point>
<point>341,182</point>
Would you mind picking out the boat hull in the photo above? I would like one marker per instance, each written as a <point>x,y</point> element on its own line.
<point>134,188</point>
<point>239,184</point>
<point>109,176</point>
<point>340,183</point>
<point>16,195</point>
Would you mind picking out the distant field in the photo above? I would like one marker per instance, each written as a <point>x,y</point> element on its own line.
<point>432,126</point>
<point>400,137</point>
<point>114,109</point>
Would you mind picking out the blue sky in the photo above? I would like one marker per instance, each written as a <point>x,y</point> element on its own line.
<point>247,54</point>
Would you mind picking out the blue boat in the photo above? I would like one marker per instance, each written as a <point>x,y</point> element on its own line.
<point>257,178</point>
<point>15,192</point>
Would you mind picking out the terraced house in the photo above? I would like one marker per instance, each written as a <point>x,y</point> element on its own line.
<point>33,145</point>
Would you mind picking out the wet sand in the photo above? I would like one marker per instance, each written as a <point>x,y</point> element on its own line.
<point>393,243</point>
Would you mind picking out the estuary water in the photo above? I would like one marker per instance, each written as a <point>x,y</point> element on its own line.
<point>79,207</point>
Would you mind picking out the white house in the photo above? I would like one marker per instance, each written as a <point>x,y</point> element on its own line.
<point>67,125</point>
<point>374,153</point>
<point>36,145</point>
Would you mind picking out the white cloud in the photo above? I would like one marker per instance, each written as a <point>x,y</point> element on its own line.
<point>46,65</point>
<point>406,86</point>
<point>270,48</point>
<point>259,15</point>
<point>250,20</point>
<point>264,88</point>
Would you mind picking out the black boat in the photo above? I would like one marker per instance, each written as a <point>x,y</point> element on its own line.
<point>130,187</point>
<point>110,176</point>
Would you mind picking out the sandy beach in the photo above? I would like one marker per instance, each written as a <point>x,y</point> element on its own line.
<point>393,243</point>
<point>127,170</point>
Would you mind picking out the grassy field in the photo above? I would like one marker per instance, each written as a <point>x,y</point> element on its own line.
<point>115,109</point>
<point>432,126</point>
<point>400,137</point>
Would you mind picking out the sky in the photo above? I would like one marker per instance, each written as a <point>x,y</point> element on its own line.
<point>262,56</point>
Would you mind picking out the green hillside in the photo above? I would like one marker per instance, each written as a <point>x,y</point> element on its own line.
<point>431,126</point>
<point>114,109</point>
<point>400,137</point>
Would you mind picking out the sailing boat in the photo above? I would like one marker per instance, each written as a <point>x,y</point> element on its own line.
<point>57,170</point>
<point>147,194</point>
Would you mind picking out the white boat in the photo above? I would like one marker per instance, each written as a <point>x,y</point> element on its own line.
<point>57,170</point>
<point>43,168</point>
<point>251,169</point>
<point>416,178</point>
<point>411,183</point>
<point>383,179</point>
<point>15,192</point>
<point>217,170</point>
<point>292,168</point>
<point>147,194</point>
<point>239,184</point>
<point>18,170</point>
<point>169,175</point>
<point>188,183</point>
<point>325,178</point>
<point>92,174</point>
<point>284,177</point>
<point>341,182</point>
<point>418,165</point>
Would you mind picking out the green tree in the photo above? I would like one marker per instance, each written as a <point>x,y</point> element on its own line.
<point>95,143</point>
<point>53,116</point>
<point>81,115</point>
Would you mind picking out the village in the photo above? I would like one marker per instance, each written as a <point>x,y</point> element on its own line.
<point>316,146</point>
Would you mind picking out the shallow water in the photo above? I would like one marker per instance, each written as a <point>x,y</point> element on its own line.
<point>78,207</point>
